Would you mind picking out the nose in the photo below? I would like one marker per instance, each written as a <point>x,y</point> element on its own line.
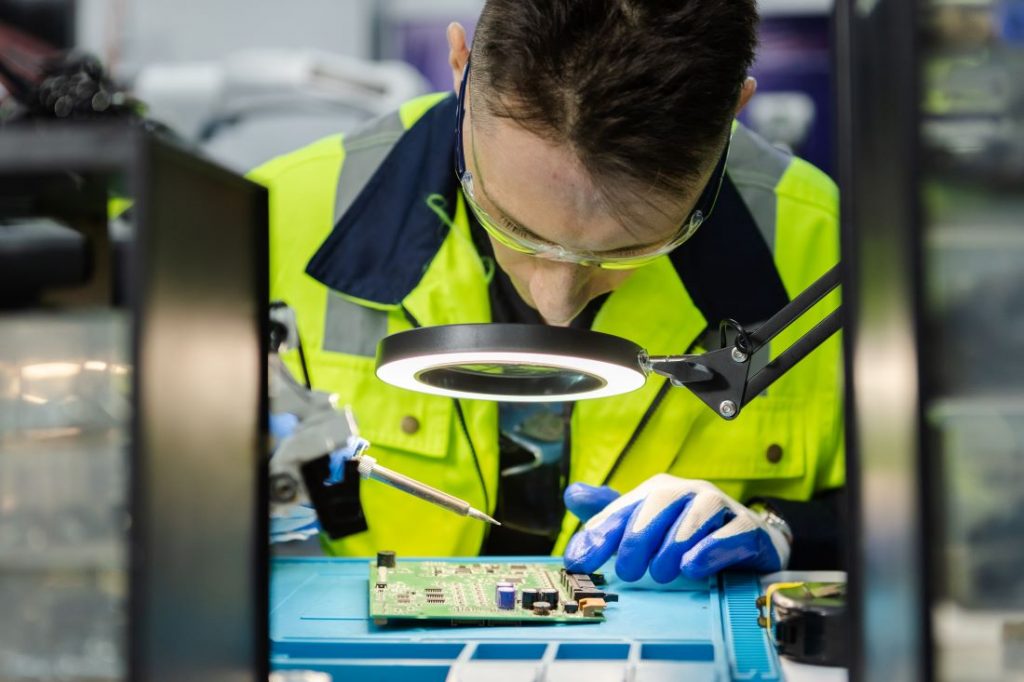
<point>559,290</point>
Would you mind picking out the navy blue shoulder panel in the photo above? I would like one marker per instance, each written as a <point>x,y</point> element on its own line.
<point>382,245</point>
<point>727,267</point>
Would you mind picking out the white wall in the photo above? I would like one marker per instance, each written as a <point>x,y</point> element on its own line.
<point>131,33</point>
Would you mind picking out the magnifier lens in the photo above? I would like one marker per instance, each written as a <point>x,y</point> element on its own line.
<point>510,362</point>
<point>519,379</point>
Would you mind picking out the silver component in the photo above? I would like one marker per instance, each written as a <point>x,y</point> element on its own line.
<point>727,409</point>
<point>285,316</point>
<point>366,464</point>
<point>350,417</point>
<point>644,360</point>
<point>321,429</point>
<point>480,516</point>
<point>283,488</point>
<point>777,522</point>
<point>738,355</point>
<point>369,468</point>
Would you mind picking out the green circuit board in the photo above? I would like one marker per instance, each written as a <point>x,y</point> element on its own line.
<point>459,593</point>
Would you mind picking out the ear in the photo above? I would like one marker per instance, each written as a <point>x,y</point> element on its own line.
<point>458,52</point>
<point>746,92</point>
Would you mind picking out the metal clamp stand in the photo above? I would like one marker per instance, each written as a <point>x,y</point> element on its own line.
<point>301,464</point>
<point>721,378</point>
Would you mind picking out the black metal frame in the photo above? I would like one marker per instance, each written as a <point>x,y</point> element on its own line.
<point>722,378</point>
<point>878,91</point>
<point>198,302</point>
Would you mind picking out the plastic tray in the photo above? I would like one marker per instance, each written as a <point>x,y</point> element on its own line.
<point>693,631</point>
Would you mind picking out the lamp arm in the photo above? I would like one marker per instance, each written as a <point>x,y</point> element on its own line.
<point>722,379</point>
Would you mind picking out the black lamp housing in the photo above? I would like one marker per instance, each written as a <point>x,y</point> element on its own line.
<point>537,363</point>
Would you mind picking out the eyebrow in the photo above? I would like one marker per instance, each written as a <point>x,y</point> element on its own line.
<point>507,216</point>
<point>536,237</point>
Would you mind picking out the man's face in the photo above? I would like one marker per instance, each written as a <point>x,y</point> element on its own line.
<point>526,181</point>
<point>522,179</point>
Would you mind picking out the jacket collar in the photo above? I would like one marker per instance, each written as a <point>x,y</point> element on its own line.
<point>381,246</point>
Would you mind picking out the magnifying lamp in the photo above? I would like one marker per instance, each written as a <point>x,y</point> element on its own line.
<point>540,363</point>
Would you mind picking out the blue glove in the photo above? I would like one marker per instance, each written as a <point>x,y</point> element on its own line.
<point>670,525</point>
<point>282,425</point>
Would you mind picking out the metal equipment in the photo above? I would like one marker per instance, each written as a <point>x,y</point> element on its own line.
<point>131,434</point>
<point>808,621</point>
<point>300,465</point>
<point>931,203</point>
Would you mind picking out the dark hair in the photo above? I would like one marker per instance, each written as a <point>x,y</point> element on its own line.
<point>644,91</point>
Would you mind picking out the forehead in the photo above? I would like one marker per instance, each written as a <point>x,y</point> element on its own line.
<point>543,186</point>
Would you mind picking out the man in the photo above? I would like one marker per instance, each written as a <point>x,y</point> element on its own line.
<point>587,172</point>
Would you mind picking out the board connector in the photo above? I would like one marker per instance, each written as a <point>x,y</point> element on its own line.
<point>584,586</point>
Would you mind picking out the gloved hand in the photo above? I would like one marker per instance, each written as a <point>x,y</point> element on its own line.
<point>670,525</point>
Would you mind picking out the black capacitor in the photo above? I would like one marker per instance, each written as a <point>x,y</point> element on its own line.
<point>386,558</point>
<point>541,608</point>
<point>550,596</point>
<point>571,606</point>
<point>529,596</point>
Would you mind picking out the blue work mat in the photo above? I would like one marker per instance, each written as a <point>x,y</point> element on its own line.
<point>684,631</point>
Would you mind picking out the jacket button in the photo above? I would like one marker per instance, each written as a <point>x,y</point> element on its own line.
<point>774,453</point>
<point>410,424</point>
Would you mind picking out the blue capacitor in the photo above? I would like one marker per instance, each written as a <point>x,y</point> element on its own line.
<point>506,597</point>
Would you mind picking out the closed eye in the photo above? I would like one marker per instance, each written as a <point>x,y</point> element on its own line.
<point>521,231</point>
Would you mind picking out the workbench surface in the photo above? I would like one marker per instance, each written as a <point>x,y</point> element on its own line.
<point>688,630</point>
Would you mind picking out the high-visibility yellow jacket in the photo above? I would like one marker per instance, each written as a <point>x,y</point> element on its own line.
<point>369,236</point>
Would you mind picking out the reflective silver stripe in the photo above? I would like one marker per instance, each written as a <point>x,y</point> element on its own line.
<point>365,149</point>
<point>755,168</point>
<point>351,328</point>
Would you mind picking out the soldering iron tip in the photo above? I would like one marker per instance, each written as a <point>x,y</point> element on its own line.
<point>477,514</point>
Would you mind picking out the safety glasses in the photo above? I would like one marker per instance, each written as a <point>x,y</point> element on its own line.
<point>514,238</point>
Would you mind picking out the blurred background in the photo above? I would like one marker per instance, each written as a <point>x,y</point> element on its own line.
<point>232,73</point>
<point>246,80</point>
<point>243,81</point>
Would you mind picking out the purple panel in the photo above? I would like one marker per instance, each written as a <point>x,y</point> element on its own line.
<point>422,43</point>
<point>795,56</point>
